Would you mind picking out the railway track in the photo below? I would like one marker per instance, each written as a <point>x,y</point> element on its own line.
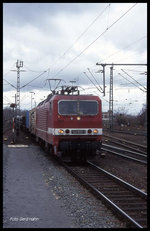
<point>126,200</point>
<point>127,144</point>
<point>129,132</point>
<point>125,153</point>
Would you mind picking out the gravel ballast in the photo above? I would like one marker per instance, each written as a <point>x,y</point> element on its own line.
<point>88,211</point>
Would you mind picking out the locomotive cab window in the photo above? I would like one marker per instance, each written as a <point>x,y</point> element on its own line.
<point>82,107</point>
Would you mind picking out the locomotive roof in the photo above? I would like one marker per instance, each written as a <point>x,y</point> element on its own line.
<point>46,100</point>
<point>76,96</point>
<point>63,96</point>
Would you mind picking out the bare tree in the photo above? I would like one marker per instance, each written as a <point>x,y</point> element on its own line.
<point>141,118</point>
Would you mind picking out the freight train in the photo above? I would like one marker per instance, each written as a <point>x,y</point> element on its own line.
<point>68,125</point>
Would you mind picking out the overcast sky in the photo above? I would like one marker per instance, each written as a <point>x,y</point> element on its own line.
<point>64,39</point>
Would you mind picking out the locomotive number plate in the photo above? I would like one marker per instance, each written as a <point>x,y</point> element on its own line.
<point>78,132</point>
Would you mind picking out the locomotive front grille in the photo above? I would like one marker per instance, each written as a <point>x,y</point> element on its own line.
<point>77,132</point>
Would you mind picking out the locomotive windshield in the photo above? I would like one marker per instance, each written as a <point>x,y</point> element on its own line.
<point>82,107</point>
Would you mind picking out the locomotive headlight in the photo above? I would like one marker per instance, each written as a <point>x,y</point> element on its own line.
<point>61,131</point>
<point>95,131</point>
<point>78,118</point>
<point>67,131</point>
<point>89,131</point>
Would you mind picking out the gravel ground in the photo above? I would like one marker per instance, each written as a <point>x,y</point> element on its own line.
<point>76,204</point>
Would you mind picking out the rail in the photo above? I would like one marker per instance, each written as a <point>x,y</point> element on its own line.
<point>120,152</point>
<point>129,202</point>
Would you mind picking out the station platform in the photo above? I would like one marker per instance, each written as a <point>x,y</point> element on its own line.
<point>28,202</point>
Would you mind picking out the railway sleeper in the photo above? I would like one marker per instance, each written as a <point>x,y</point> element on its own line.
<point>132,203</point>
<point>118,200</point>
<point>115,190</point>
<point>133,208</point>
<point>92,178</point>
<point>137,217</point>
<point>124,197</point>
<point>112,194</point>
<point>142,221</point>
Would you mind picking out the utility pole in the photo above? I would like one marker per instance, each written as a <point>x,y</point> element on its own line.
<point>103,65</point>
<point>19,64</point>
<point>15,102</point>
<point>111,86</point>
<point>111,100</point>
<point>103,71</point>
<point>13,105</point>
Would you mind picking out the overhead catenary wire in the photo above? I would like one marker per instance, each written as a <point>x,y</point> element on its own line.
<point>131,82</point>
<point>108,16</point>
<point>95,86</point>
<point>87,29</point>
<point>124,48</point>
<point>9,70</point>
<point>91,81</point>
<point>108,27</point>
<point>101,90</point>
<point>78,38</point>
<point>133,70</point>
<point>94,92</point>
<point>30,69</point>
<point>34,86</point>
<point>6,73</point>
<point>94,40</point>
<point>28,82</point>
<point>43,82</point>
<point>134,79</point>
<point>33,79</point>
<point>10,83</point>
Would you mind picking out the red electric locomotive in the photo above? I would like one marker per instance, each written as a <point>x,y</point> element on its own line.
<point>70,125</point>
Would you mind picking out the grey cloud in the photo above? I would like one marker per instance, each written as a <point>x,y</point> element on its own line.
<point>18,13</point>
<point>39,28</point>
